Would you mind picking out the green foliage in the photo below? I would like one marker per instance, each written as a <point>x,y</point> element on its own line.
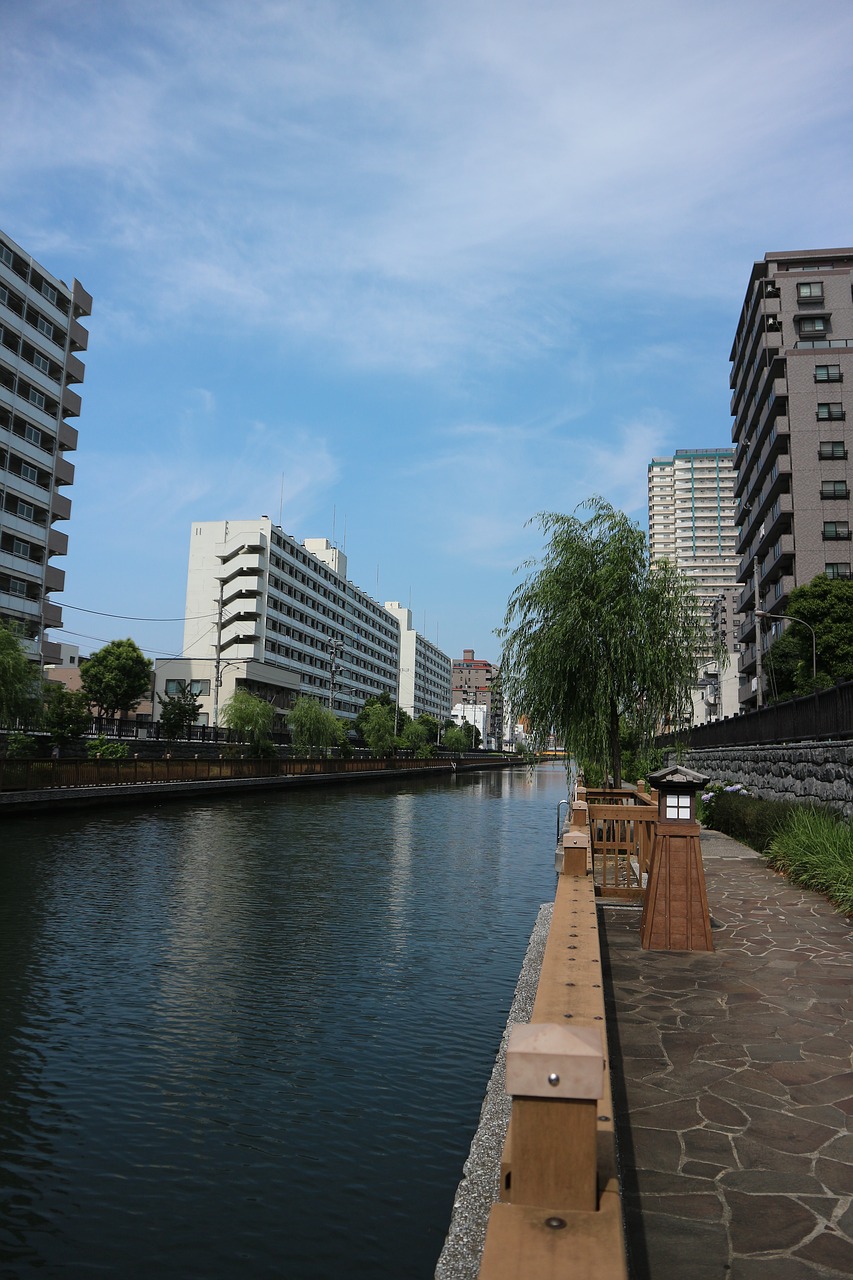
<point>595,633</point>
<point>430,726</point>
<point>67,716</point>
<point>252,718</point>
<point>638,759</point>
<point>20,746</point>
<point>378,727</point>
<point>178,711</point>
<point>399,717</point>
<point>826,605</point>
<point>814,848</point>
<point>455,738</point>
<point>414,736</point>
<point>106,749</point>
<point>20,683</point>
<point>117,677</point>
<point>749,819</point>
<point>313,726</point>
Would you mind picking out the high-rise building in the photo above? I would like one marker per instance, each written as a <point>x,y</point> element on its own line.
<point>792,383</point>
<point>692,524</point>
<point>279,618</point>
<point>424,670</point>
<point>40,336</point>
<point>691,517</point>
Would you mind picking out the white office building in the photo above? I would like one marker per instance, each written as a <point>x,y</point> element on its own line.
<point>425,672</point>
<point>280,618</point>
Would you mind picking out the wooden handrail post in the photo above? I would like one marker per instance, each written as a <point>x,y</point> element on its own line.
<point>555,1075</point>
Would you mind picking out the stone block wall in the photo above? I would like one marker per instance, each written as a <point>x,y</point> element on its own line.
<point>807,772</point>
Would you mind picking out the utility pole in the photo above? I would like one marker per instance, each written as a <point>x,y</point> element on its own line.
<point>218,659</point>
<point>333,645</point>
<point>759,672</point>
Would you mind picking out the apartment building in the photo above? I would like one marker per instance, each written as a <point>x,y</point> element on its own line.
<point>40,337</point>
<point>476,696</point>
<point>425,672</point>
<point>792,388</point>
<point>692,524</point>
<point>279,618</point>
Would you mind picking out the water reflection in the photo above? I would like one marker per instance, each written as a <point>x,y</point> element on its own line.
<point>254,1034</point>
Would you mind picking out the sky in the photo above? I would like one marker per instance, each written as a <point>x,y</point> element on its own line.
<point>403,275</point>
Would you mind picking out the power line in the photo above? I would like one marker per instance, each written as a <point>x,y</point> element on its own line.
<point>129,617</point>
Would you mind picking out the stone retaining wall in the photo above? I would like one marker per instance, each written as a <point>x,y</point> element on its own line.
<point>816,772</point>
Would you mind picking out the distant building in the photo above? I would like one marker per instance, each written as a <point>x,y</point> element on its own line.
<point>40,336</point>
<point>476,683</point>
<point>692,524</point>
<point>425,672</point>
<point>792,389</point>
<point>279,618</point>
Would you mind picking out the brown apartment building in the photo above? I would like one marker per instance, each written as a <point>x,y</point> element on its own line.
<point>792,395</point>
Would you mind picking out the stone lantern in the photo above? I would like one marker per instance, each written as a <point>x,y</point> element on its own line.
<point>675,912</point>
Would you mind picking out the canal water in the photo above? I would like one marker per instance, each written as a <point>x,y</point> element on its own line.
<point>251,1037</point>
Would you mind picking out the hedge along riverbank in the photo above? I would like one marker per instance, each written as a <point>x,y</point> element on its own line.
<point>811,846</point>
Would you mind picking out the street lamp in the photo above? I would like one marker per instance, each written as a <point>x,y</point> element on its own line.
<point>782,617</point>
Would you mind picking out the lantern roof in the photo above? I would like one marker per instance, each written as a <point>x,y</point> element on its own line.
<point>676,775</point>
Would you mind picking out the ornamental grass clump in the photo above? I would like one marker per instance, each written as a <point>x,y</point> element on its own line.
<point>815,849</point>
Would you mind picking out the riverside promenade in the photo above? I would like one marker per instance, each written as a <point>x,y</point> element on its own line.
<point>732,1082</point>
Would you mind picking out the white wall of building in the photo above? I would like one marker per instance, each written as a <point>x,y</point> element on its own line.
<point>425,672</point>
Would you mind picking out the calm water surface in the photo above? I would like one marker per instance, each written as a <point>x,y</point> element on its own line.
<point>251,1037</point>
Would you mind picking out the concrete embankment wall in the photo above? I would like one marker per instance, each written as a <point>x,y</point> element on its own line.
<point>806,772</point>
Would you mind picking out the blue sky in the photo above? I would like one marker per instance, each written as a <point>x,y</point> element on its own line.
<point>424,269</point>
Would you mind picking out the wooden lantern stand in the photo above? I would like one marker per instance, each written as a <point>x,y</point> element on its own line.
<point>675,911</point>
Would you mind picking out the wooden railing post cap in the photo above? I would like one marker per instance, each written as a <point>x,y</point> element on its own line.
<point>576,840</point>
<point>547,1060</point>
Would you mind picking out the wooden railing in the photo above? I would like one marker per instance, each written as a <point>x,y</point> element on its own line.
<point>622,828</point>
<point>560,1213</point>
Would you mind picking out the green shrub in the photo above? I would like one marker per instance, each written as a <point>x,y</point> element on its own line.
<point>746,818</point>
<point>815,849</point>
<point>20,746</point>
<point>107,749</point>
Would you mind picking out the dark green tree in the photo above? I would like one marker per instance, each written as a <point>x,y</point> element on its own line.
<point>414,736</point>
<point>117,677</point>
<point>455,738</point>
<point>67,714</point>
<point>178,711</point>
<point>378,727</point>
<point>20,683</point>
<point>595,633</point>
<point>826,605</point>
<point>400,717</point>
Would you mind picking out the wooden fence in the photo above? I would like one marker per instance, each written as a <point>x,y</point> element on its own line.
<point>622,831</point>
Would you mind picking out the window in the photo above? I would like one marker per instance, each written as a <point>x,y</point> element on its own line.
<point>837,570</point>
<point>17,587</point>
<point>44,326</point>
<point>827,373</point>
<point>201,688</point>
<point>26,510</point>
<point>836,531</point>
<point>810,292</point>
<point>6,255</point>
<point>4,295</point>
<point>29,473</point>
<point>834,489</point>
<point>830,411</point>
<point>20,548</point>
<point>813,324</point>
<point>36,398</point>
<point>831,449</point>
<point>49,292</point>
<point>41,362</point>
<point>33,435</point>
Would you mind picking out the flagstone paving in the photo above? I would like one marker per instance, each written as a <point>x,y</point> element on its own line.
<point>733,1083</point>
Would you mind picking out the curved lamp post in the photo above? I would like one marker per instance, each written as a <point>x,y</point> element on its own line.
<point>762,613</point>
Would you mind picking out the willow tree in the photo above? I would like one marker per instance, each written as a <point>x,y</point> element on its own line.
<point>595,634</point>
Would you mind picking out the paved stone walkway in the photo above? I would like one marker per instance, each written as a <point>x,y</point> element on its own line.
<point>733,1087</point>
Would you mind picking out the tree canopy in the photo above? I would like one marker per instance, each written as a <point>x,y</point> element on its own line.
<point>178,711</point>
<point>312,726</point>
<point>377,727</point>
<point>252,718</point>
<point>67,716</point>
<point>826,605</point>
<point>595,632</point>
<point>117,677</point>
<point>20,683</point>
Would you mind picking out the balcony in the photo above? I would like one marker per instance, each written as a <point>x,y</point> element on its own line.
<point>79,336</point>
<point>67,436</point>
<point>57,543</point>
<point>71,403</point>
<point>51,614</point>
<point>64,471</point>
<point>60,507</point>
<point>75,370</point>
<point>54,579</point>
